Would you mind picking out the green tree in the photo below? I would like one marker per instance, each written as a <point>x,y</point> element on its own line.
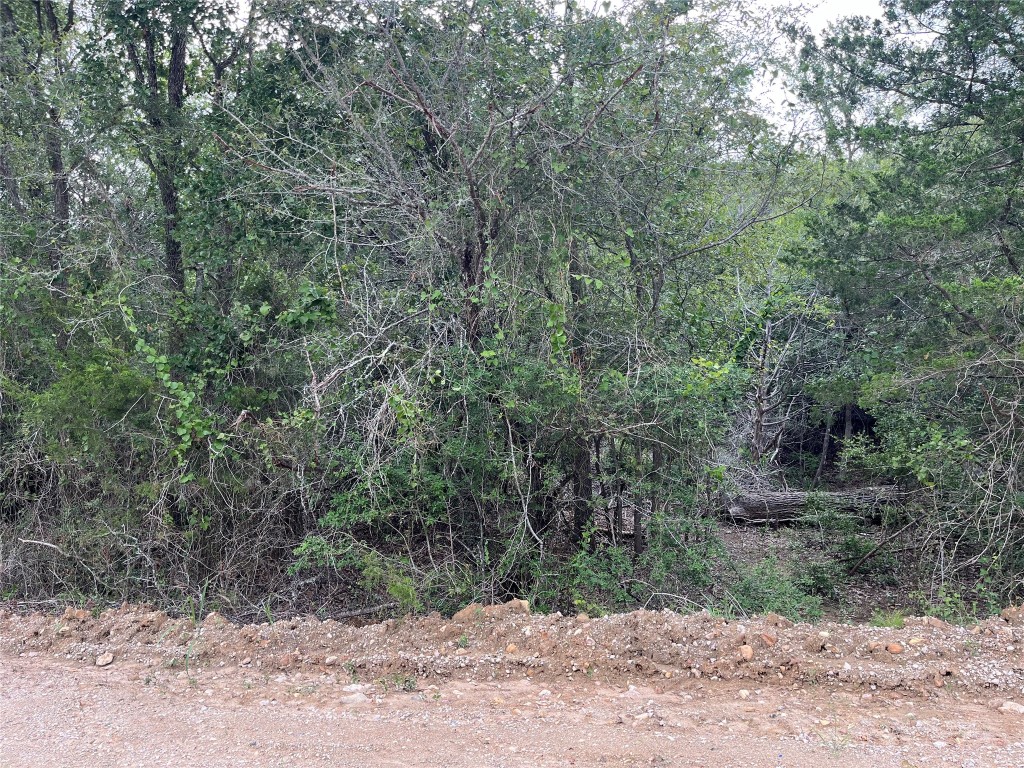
<point>924,248</point>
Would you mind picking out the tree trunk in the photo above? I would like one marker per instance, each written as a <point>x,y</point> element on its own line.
<point>789,506</point>
<point>583,489</point>
<point>847,435</point>
<point>620,488</point>
<point>826,441</point>
<point>173,263</point>
<point>61,194</point>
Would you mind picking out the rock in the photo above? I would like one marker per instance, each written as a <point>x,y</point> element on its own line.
<point>519,606</point>
<point>1013,615</point>
<point>814,644</point>
<point>769,639</point>
<point>916,641</point>
<point>744,693</point>
<point>245,662</point>
<point>511,608</point>
<point>355,699</point>
<point>471,613</point>
<point>214,620</point>
<point>774,620</point>
<point>582,618</point>
<point>894,648</point>
<point>746,652</point>
<point>1012,707</point>
<point>330,661</point>
<point>511,648</point>
<point>105,659</point>
<point>936,622</point>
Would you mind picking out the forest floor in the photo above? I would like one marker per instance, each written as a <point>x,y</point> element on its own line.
<point>499,686</point>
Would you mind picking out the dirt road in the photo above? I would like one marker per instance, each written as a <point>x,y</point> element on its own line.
<point>320,694</point>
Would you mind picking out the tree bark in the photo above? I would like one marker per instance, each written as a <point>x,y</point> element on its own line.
<point>789,506</point>
<point>583,490</point>
<point>61,193</point>
<point>826,441</point>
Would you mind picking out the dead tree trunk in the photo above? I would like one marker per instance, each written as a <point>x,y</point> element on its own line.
<point>789,506</point>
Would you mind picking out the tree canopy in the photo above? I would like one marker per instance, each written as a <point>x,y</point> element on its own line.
<point>432,301</point>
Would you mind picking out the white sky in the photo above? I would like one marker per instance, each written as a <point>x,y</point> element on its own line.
<point>830,10</point>
<point>773,96</point>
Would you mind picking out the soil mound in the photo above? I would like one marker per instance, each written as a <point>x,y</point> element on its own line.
<point>507,642</point>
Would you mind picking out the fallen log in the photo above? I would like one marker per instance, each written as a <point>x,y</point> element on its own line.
<point>790,506</point>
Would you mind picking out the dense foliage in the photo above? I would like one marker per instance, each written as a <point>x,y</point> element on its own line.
<point>427,302</point>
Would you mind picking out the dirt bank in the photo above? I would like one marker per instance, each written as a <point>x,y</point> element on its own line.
<point>498,686</point>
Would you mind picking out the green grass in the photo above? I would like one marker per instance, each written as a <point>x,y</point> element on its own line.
<point>892,619</point>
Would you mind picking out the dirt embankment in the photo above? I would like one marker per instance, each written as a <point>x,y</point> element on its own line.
<point>497,686</point>
<point>507,642</point>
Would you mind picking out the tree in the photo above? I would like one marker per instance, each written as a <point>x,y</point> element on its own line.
<point>511,208</point>
<point>932,210</point>
<point>34,69</point>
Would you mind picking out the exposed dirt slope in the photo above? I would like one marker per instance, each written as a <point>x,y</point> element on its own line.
<point>497,686</point>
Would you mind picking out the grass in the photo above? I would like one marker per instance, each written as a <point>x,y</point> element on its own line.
<point>893,619</point>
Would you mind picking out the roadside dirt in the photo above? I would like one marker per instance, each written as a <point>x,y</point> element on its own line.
<point>497,686</point>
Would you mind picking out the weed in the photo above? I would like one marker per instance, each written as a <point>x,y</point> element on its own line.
<point>350,668</point>
<point>949,606</point>
<point>891,618</point>
<point>765,588</point>
<point>398,682</point>
<point>824,579</point>
<point>462,642</point>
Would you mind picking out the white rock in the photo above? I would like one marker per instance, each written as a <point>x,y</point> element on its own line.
<point>355,699</point>
<point>1012,707</point>
<point>105,659</point>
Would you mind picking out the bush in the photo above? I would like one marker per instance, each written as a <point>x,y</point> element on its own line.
<point>767,589</point>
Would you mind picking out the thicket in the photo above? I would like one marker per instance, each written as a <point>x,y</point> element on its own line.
<point>335,304</point>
